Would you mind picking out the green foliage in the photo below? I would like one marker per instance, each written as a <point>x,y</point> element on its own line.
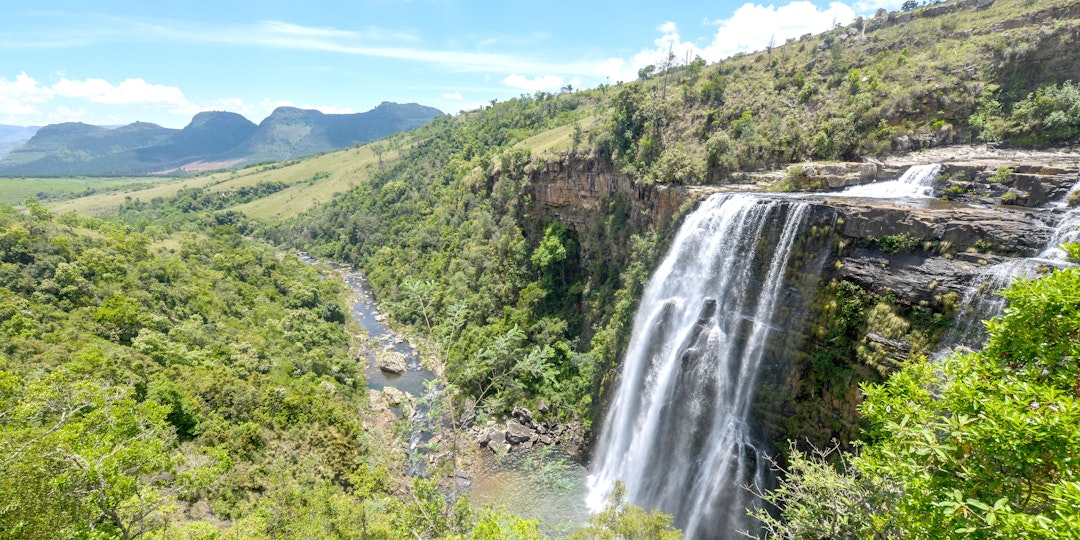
<point>135,383</point>
<point>1002,175</point>
<point>506,298</point>
<point>78,455</point>
<point>621,521</point>
<point>980,444</point>
<point>898,243</point>
<point>1049,115</point>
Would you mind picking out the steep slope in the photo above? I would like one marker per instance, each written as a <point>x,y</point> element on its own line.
<point>12,137</point>
<point>76,148</point>
<point>290,132</point>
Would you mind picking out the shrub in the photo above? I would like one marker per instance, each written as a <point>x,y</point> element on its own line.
<point>898,243</point>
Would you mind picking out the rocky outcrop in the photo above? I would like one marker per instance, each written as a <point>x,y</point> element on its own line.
<point>947,228</point>
<point>391,362</point>
<point>1030,184</point>
<point>523,431</point>
<point>576,190</point>
<point>820,175</point>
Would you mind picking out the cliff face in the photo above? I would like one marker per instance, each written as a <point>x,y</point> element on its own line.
<point>573,191</point>
<point>898,267</point>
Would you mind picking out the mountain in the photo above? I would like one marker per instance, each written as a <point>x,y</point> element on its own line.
<point>12,137</point>
<point>289,132</point>
<point>212,137</point>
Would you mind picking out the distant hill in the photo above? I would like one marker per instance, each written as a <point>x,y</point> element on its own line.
<point>214,137</point>
<point>12,137</point>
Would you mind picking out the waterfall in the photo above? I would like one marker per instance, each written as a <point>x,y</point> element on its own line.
<point>917,181</point>
<point>679,431</point>
<point>981,301</point>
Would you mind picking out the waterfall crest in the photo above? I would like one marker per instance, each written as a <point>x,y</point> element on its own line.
<point>917,181</point>
<point>679,432</point>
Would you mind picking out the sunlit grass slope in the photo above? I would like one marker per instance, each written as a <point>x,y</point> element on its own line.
<point>312,181</point>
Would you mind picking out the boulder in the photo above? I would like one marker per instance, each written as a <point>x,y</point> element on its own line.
<point>517,432</point>
<point>523,415</point>
<point>496,439</point>
<point>391,362</point>
<point>485,436</point>
<point>394,397</point>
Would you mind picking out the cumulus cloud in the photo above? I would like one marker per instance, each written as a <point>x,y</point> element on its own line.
<point>535,84</point>
<point>19,97</point>
<point>25,101</point>
<point>128,92</point>
<point>455,95</point>
<point>752,27</point>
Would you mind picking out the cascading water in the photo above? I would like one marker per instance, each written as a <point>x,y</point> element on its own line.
<point>679,432</point>
<point>981,301</point>
<point>917,181</point>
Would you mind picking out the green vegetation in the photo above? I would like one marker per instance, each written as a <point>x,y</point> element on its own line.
<point>161,374</point>
<point>898,243</point>
<point>619,520</point>
<point>310,182</point>
<point>446,238</point>
<point>14,191</point>
<point>980,444</point>
<point>1049,115</point>
<point>200,387</point>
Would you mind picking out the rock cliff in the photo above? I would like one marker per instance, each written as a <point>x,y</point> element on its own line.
<point>898,267</point>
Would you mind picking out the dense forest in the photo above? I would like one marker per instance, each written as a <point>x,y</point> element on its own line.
<point>170,371</point>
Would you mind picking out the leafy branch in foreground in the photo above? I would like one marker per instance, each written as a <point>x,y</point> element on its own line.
<point>978,445</point>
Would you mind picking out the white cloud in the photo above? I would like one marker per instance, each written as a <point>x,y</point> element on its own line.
<point>128,92</point>
<point>455,95</point>
<point>535,84</point>
<point>613,69</point>
<point>18,98</point>
<point>751,28</point>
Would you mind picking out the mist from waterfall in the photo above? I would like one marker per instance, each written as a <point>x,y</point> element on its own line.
<point>679,432</point>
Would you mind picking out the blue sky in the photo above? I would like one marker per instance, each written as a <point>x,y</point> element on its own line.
<point>116,62</point>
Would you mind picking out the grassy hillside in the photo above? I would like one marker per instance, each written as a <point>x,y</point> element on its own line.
<point>14,191</point>
<point>309,182</point>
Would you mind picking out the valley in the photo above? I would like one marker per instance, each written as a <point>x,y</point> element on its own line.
<point>745,297</point>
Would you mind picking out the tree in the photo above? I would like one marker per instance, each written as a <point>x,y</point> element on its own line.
<point>620,520</point>
<point>981,444</point>
<point>78,455</point>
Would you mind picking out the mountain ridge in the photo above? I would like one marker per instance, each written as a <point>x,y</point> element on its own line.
<point>74,148</point>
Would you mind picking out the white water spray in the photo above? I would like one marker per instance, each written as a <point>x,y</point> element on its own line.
<point>678,433</point>
<point>916,182</point>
